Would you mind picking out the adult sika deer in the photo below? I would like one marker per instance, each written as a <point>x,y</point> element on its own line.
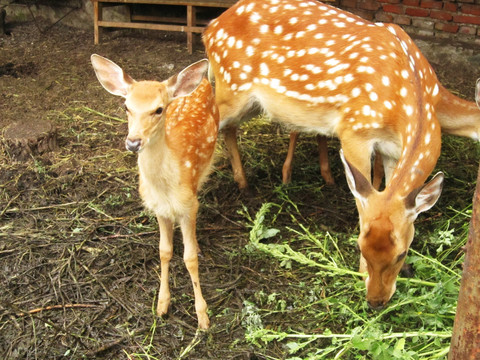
<point>316,68</point>
<point>173,126</point>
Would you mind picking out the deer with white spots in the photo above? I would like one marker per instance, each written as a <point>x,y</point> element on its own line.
<point>173,127</point>
<point>319,69</point>
<point>455,115</point>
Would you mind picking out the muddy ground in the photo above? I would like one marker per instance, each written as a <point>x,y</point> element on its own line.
<point>78,256</point>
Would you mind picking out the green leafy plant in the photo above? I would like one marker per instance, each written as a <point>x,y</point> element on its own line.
<point>417,324</point>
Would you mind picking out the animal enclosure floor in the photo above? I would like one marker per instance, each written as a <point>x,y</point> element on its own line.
<point>79,258</point>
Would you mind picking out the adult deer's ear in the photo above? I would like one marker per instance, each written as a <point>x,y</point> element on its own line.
<point>423,198</point>
<point>358,184</point>
<point>111,76</point>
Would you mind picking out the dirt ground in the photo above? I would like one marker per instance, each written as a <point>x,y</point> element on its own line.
<point>78,256</point>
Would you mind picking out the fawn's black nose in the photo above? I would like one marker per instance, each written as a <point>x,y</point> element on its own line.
<point>133,145</point>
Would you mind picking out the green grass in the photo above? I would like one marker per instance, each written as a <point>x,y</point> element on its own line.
<point>333,319</point>
<point>416,325</point>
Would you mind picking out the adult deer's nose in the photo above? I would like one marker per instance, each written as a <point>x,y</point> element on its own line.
<point>376,304</point>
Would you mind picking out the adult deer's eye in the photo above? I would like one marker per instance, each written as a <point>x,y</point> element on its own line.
<point>401,256</point>
<point>159,111</point>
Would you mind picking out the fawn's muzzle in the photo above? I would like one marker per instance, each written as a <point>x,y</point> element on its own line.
<point>133,145</point>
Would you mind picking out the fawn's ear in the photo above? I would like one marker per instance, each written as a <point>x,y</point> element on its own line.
<point>111,76</point>
<point>187,80</point>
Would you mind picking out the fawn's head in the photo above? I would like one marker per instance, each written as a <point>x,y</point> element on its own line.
<point>386,229</point>
<point>146,101</point>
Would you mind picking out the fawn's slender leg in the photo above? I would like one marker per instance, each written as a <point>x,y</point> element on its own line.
<point>287,165</point>
<point>230,134</point>
<point>323,158</point>
<point>190,257</point>
<point>166,252</point>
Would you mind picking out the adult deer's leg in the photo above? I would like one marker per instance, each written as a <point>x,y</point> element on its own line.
<point>230,134</point>
<point>166,252</point>
<point>190,257</point>
<point>287,165</point>
<point>378,171</point>
<point>323,158</point>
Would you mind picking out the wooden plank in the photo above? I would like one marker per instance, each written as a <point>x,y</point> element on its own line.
<point>201,3</point>
<point>162,19</point>
<point>129,25</point>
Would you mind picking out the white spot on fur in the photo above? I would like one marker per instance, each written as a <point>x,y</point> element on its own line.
<point>264,70</point>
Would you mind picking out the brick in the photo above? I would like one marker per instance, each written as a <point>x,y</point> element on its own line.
<point>403,20</point>
<point>430,4</point>
<point>417,12</point>
<point>449,6</point>
<point>369,5</point>
<point>411,2</point>
<point>424,32</point>
<point>391,8</point>
<point>441,15</point>
<point>466,19</point>
<point>469,30</point>
<point>443,35</point>
<point>423,23</point>
<point>384,17</point>
<point>367,15</point>
<point>466,1</point>
<point>471,9</point>
<point>349,3</point>
<point>390,1</point>
<point>451,28</point>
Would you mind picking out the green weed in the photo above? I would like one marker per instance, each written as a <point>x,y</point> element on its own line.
<point>416,325</point>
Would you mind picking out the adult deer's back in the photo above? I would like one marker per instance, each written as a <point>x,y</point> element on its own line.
<point>320,69</point>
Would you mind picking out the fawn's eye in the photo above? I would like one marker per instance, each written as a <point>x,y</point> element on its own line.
<point>159,111</point>
<point>401,256</point>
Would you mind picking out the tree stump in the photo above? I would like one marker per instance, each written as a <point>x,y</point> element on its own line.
<point>23,139</point>
<point>465,344</point>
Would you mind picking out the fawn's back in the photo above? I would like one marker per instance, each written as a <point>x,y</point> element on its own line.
<point>177,160</point>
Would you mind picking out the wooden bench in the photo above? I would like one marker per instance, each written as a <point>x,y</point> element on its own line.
<point>188,25</point>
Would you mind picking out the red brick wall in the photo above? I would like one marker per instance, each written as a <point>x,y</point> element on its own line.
<point>455,19</point>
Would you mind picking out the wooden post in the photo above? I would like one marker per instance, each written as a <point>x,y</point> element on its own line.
<point>190,23</point>
<point>465,344</point>
<point>97,16</point>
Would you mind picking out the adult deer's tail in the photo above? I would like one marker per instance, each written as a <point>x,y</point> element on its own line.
<point>457,116</point>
